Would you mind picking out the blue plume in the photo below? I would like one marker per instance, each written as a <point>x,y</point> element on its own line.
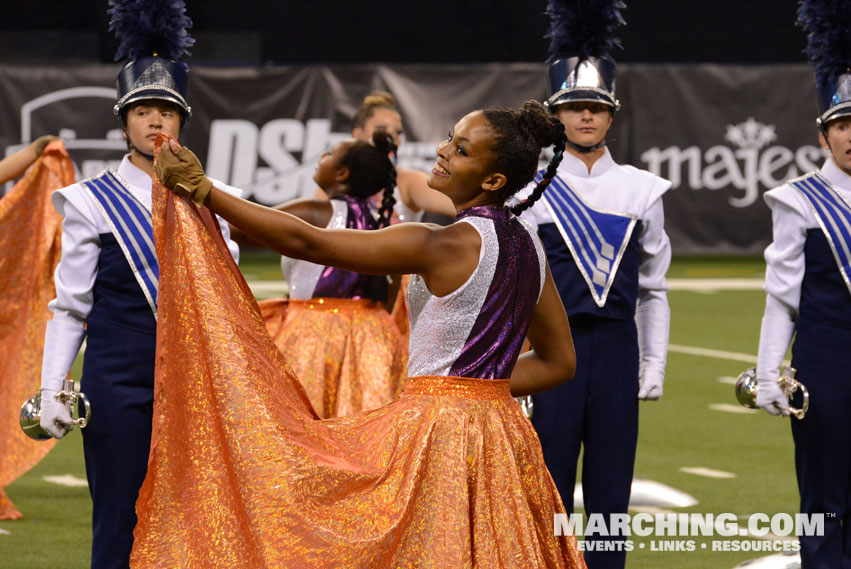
<point>583,28</point>
<point>827,24</point>
<point>145,27</point>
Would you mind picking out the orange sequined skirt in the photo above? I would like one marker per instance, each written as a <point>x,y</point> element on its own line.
<point>450,475</point>
<point>348,353</point>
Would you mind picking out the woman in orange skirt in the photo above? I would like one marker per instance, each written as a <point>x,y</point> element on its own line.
<point>451,475</point>
<point>334,329</point>
<point>413,197</point>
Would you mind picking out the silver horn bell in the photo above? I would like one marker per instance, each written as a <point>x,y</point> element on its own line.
<point>747,387</point>
<point>526,405</point>
<point>31,411</point>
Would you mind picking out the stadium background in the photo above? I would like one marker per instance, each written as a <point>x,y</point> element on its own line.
<point>719,89</point>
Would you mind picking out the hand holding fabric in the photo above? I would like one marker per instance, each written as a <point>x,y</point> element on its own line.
<point>55,418</point>
<point>41,142</point>
<point>179,170</point>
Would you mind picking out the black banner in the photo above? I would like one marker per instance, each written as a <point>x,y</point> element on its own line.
<point>722,134</point>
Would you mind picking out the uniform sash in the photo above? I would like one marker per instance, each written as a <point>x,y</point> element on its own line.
<point>130,222</point>
<point>596,239</point>
<point>833,213</point>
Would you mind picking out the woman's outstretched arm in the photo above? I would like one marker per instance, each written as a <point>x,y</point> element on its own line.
<point>445,257</point>
<point>314,211</point>
<point>552,360</point>
<point>13,166</point>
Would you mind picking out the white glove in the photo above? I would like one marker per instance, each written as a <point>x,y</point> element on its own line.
<point>653,321</point>
<point>774,338</point>
<point>771,398</point>
<point>55,418</point>
<point>650,385</point>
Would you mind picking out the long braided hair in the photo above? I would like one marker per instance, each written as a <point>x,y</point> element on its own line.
<point>382,140</point>
<point>371,171</point>
<point>519,139</point>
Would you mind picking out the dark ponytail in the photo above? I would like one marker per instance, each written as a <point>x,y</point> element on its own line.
<point>520,136</point>
<point>544,135</point>
<point>371,170</point>
<point>382,140</point>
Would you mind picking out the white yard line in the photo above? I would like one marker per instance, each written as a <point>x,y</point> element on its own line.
<point>729,408</point>
<point>706,472</point>
<point>712,285</point>
<point>728,380</point>
<point>717,354</point>
<point>694,285</point>
<point>268,289</point>
<point>67,480</point>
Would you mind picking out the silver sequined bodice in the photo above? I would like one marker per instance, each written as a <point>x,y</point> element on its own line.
<point>440,326</point>
<point>302,276</point>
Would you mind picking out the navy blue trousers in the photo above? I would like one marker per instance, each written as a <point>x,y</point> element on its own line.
<point>822,356</point>
<point>597,410</point>
<point>118,379</point>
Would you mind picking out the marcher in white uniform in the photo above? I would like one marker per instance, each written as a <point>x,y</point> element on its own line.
<point>808,295</point>
<point>106,290</point>
<point>602,225</point>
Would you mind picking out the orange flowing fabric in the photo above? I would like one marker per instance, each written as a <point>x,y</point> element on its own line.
<point>242,474</point>
<point>30,246</point>
<point>348,353</point>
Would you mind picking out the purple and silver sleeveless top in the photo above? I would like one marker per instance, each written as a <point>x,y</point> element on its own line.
<point>478,329</point>
<point>309,280</point>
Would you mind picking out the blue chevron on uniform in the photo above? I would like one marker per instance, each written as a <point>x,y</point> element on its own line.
<point>596,239</point>
<point>131,224</point>
<point>833,214</point>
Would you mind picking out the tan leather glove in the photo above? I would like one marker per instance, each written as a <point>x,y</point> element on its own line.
<point>182,173</point>
<point>39,143</point>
